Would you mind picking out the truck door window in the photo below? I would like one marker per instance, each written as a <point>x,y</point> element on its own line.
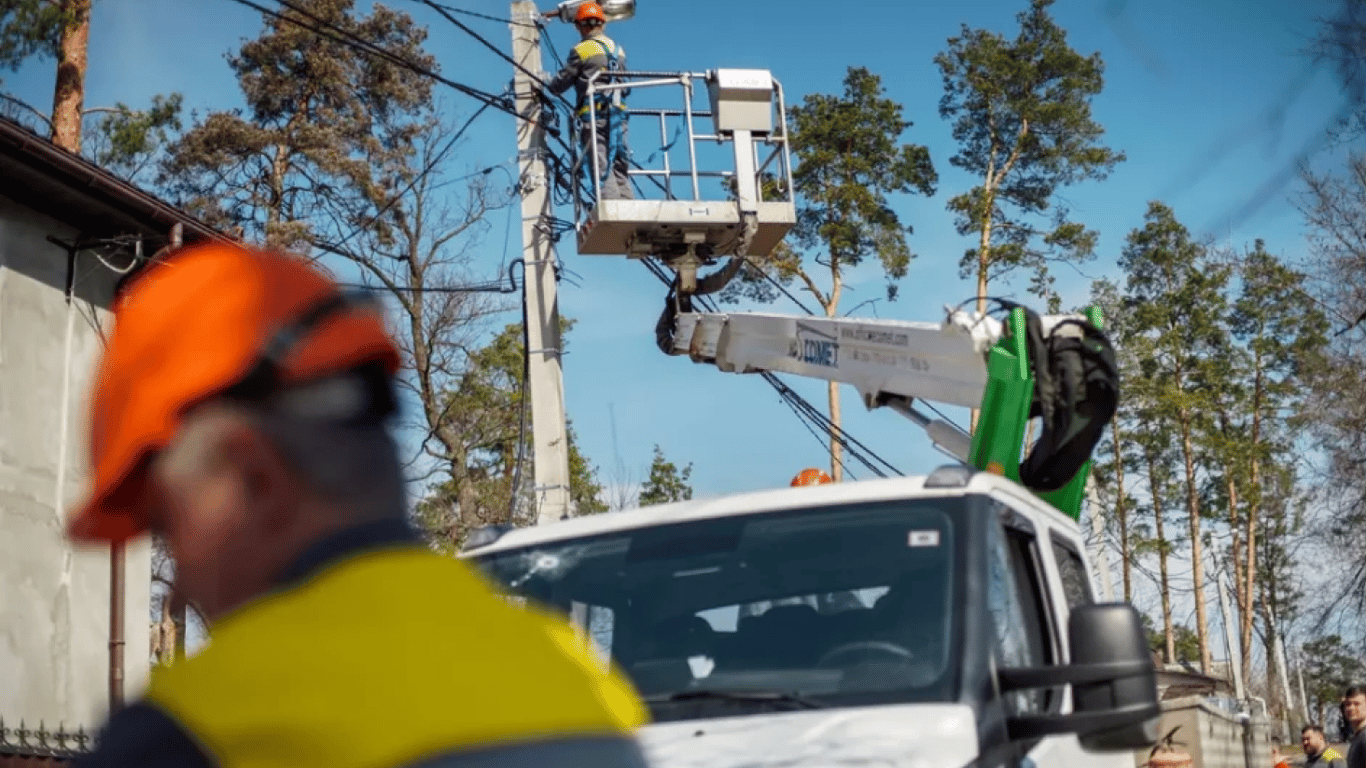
<point>1017,608</point>
<point>597,621</point>
<point>1073,572</point>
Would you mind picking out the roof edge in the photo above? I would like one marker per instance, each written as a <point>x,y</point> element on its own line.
<point>81,174</point>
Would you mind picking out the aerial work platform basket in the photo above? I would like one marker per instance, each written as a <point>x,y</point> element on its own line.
<point>730,204</point>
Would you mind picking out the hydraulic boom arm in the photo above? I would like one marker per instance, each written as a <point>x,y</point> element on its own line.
<point>968,360</point>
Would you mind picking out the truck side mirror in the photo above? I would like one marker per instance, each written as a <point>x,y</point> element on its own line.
<point>1114,683</point>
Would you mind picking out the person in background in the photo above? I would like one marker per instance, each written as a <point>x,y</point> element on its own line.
<point>1354,713</point>
<point>1317,753</point>
<point>1276,760</point>
<point>241,412</point>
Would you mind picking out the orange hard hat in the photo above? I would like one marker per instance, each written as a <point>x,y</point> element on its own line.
<point>811,476</point>
<point>201,322</point>
<point>590,11</point>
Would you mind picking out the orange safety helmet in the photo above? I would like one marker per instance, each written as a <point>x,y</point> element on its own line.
<point>206,320</point>
<point>811,476</point>
<point>589,11</point>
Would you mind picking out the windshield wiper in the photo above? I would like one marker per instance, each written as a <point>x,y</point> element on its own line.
<point>775,697</point>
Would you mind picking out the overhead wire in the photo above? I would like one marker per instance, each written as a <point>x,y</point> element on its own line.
<point>323,28</point>
<point>355,42</point>
<point>478,15</point>
<point>806,412</point>
<point>419,176</point>
<point>535,76</point>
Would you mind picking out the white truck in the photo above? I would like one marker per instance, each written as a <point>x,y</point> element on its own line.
<point>947,620</point>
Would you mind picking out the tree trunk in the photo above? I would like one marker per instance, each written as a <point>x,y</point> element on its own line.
<point>1155,490</point>
<point>831,309</point>
<point>1197,550</point>
<point>167,630</point>
<point>1232,464</point>
<point>1254,510</point>
<point>178,617</point>
<point>1122,517</point>
<point>1273,687</point>
<point>68,98</point>
<point>983,262</point>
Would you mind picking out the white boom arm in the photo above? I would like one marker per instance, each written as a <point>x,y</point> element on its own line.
<point>889,362</point>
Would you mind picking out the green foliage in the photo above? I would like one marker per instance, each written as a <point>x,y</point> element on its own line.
<point>1217,350</point>
<point>848,160</point>
<point>486,409</point>
<point>125,141</point>
<point>1021,112</point>
<point>666,482</point>
<point>324,126</point>
<point>1330,667</point>
<point>29,28</point>
<point>1187,643</point>
<point>122,139</point>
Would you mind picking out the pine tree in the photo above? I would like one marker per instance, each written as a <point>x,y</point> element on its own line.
<point>1021,113</point>
<point>1176,292</point>
<point>666,482</point>
<point>849,160</point>
<point>326,126</point>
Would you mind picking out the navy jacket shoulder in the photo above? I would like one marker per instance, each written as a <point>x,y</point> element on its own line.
<point>144,736</point>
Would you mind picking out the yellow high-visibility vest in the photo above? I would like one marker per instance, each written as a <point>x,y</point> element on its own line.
<point>383,658</point>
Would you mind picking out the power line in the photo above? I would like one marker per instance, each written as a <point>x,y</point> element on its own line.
<point>784,290</point>
<point>478,15</point>
<point>806,412</point>
<point>535,77</point>
<point>419,177</point>
<point>358,43</point>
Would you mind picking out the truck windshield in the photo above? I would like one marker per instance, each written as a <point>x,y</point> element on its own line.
<point>825,606</point>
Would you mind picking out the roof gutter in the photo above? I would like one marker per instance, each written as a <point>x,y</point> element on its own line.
<point>86,173</point>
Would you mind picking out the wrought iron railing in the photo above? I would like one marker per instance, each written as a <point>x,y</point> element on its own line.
<point>41,742</point>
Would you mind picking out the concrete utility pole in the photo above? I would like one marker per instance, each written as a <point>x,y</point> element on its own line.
<point>545,378</point>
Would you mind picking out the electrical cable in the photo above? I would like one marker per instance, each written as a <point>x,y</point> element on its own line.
<point>441,155</point>
<point>521,419</point>
<point>784,290</point>
<point>941,415</point>
<point>836,432</point>
<point>809,428</point>
<point>481,39</point>
<point>805,411</point>
<point>478,15</point>
<point>354,42</point>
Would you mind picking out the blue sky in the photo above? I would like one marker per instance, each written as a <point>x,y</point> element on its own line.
<point>1212,101</point>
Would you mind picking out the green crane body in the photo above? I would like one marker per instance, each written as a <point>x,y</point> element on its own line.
<point>998,440</point>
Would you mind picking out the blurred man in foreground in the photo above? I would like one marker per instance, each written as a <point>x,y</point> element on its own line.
<point>240,412</point>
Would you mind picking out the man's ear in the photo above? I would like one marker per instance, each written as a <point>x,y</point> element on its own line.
<point>269,485</point>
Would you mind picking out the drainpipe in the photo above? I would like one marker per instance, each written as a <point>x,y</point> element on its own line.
<point>117,593</point>
<point>116,626</point>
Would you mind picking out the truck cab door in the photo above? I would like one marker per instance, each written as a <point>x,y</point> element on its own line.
<point>1021,630</point>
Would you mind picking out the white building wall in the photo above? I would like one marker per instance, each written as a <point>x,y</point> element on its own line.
<point>54,600</point>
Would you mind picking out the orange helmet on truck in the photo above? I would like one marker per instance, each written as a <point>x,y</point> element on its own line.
<point>811,476</point>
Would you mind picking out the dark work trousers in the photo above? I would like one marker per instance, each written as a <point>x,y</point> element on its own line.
<point>617,184</point>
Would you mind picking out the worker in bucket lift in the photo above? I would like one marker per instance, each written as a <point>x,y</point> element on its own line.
<point>241,413</point>
<point>595,53</point>
<point>811,476</point>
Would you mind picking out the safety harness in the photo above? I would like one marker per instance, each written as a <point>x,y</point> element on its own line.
<point>609,108</point>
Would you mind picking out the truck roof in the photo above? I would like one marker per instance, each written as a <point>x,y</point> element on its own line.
<point>777,500</point>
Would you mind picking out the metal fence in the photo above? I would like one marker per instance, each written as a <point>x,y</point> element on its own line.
<point>25,746</point>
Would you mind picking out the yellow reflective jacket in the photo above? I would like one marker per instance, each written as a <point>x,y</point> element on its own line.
<point>393,657</point>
